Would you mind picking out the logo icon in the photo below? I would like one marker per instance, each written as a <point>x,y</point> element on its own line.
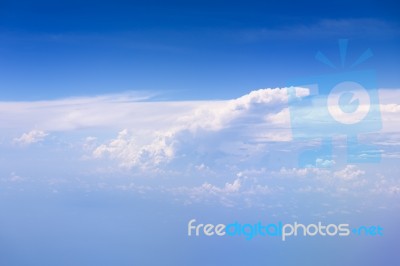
<point>343,103</point>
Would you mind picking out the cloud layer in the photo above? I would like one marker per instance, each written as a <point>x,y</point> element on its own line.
<point>235,152</point>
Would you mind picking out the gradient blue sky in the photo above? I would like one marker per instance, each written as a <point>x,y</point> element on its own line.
<point>183,49</point>
<point>120,121</point>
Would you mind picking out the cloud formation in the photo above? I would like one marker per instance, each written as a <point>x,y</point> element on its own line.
<point>31,137</point>
<point>236,152</point>
<point>206,120</point>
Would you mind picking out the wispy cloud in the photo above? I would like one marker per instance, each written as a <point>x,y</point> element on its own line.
<point>31,137</point>
<point>328,28</point>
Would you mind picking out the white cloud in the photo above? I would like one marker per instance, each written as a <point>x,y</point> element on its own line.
<point>201,151</point>
<point>282,117</point>
<point>350,172</point>
<point>226,195</point>
<point>324,163</point>
<point>31,137</point>
<point>395,190</point>
<point>302,172</point>
<point>16,178</point>
<point>108,111</point>
<point>232,187</point>
<point>126,149</point>
<point>390,108</point>
<point>215,118</point>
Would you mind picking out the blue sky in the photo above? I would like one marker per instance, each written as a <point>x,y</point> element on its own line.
<point>184,49</point>
<point>121,121</point>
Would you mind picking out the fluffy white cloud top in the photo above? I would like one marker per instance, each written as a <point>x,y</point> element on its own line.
<point>139,146</point>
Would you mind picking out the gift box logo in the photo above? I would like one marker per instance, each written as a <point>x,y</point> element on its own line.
<point>344,103</point>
